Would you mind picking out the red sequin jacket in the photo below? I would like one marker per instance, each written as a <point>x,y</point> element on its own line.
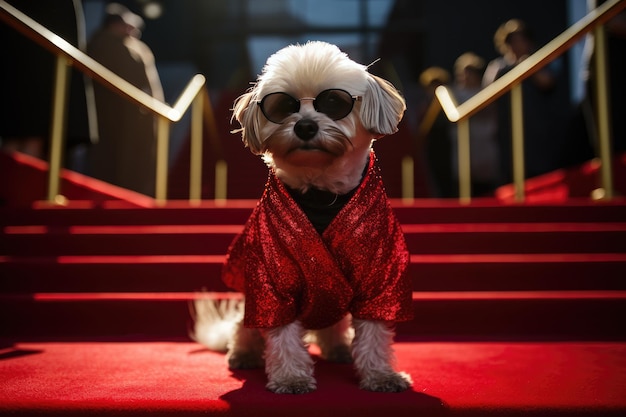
<point>288,271</point>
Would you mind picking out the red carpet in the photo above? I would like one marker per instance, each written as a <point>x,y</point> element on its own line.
<point>574,182</point>
<point>517,310</point>
<point>165,378</point>
<point>29,181</point>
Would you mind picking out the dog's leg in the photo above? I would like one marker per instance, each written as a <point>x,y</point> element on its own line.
<point>335,341</point>
<point>374,358</point>
<point>246,349</point>
<point>288,364</point>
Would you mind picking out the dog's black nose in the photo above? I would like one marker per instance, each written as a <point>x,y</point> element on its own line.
<point>305,129</point>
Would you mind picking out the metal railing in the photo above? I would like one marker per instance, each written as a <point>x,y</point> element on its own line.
<point>194,95</point>
<point>511,82</point>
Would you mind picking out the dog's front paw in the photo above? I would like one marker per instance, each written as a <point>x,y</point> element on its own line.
<point>386,382</point>
<point>300,385</point>
<point>245,360</point>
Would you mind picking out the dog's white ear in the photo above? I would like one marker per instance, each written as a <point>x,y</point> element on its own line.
<point>246,111</point>
<point>382,107</point>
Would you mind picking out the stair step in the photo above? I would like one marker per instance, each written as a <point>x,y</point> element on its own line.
<point>497,238</point>
<point>118,239</point>
<point>115,213</point>
<point>214,239</point>
<point>486,211</point>
<point>483,271</point>
<point>442,272</point>
<point>574,315</point>
<point>416,296</point>
<point>238,211</point>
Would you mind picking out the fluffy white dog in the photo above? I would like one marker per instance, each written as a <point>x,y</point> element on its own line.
<point>322,254</point>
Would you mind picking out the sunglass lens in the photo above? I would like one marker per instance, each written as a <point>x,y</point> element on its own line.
<point>278,106</point>
<point>336,104</point>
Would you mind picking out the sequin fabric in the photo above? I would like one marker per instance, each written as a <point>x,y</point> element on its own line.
<point>288,271</point>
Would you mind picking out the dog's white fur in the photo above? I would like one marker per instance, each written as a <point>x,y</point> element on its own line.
<point>344,145</point>
<point>333,160</point>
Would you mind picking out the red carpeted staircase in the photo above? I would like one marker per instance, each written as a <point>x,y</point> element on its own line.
<point>518,310</point>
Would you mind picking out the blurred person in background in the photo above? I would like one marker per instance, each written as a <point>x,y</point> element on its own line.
<point>583,129</point>
<point>126,151</point>
<point>545,106</point>
<point>433,135</point>
<point>484,151</point>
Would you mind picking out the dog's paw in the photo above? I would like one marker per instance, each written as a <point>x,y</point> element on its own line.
<point>292,385</point>
<point>245,360</point>
<point>386,382</point>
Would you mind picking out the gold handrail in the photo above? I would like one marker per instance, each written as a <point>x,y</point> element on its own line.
<point>57,130</point>
<point>513,78</point>
<point>602,114</point>
<point>75,57</point>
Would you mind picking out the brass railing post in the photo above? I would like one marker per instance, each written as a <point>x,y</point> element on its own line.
<point>602,115</point>
<point>212,135</point>
<point>517,138</point>
<point>463,142</point>
<point>221,181</point>
<point>408,181</point>
<point>195,170</point>
<point>163,132</point>
<point>57,128</point>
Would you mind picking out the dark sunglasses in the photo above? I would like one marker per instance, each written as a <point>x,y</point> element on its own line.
<point>334,103</point>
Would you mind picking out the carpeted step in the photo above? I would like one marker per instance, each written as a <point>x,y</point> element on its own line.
<point>434,272</point>
<point>512,253</point>
<point>490,315</point>
<point>117,212</point>
<point>183,379</point>
<point>498,238</point>
<point>118,240</point>
<point>488,211</point>
<point>445,238</point>
<point>120,213</point>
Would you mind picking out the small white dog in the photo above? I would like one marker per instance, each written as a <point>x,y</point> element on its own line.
<point>322,251</point>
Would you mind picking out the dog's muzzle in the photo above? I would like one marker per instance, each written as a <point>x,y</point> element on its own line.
<point>305,129</point>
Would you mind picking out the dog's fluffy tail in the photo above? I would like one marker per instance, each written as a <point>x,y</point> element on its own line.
<point>215,321</point>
